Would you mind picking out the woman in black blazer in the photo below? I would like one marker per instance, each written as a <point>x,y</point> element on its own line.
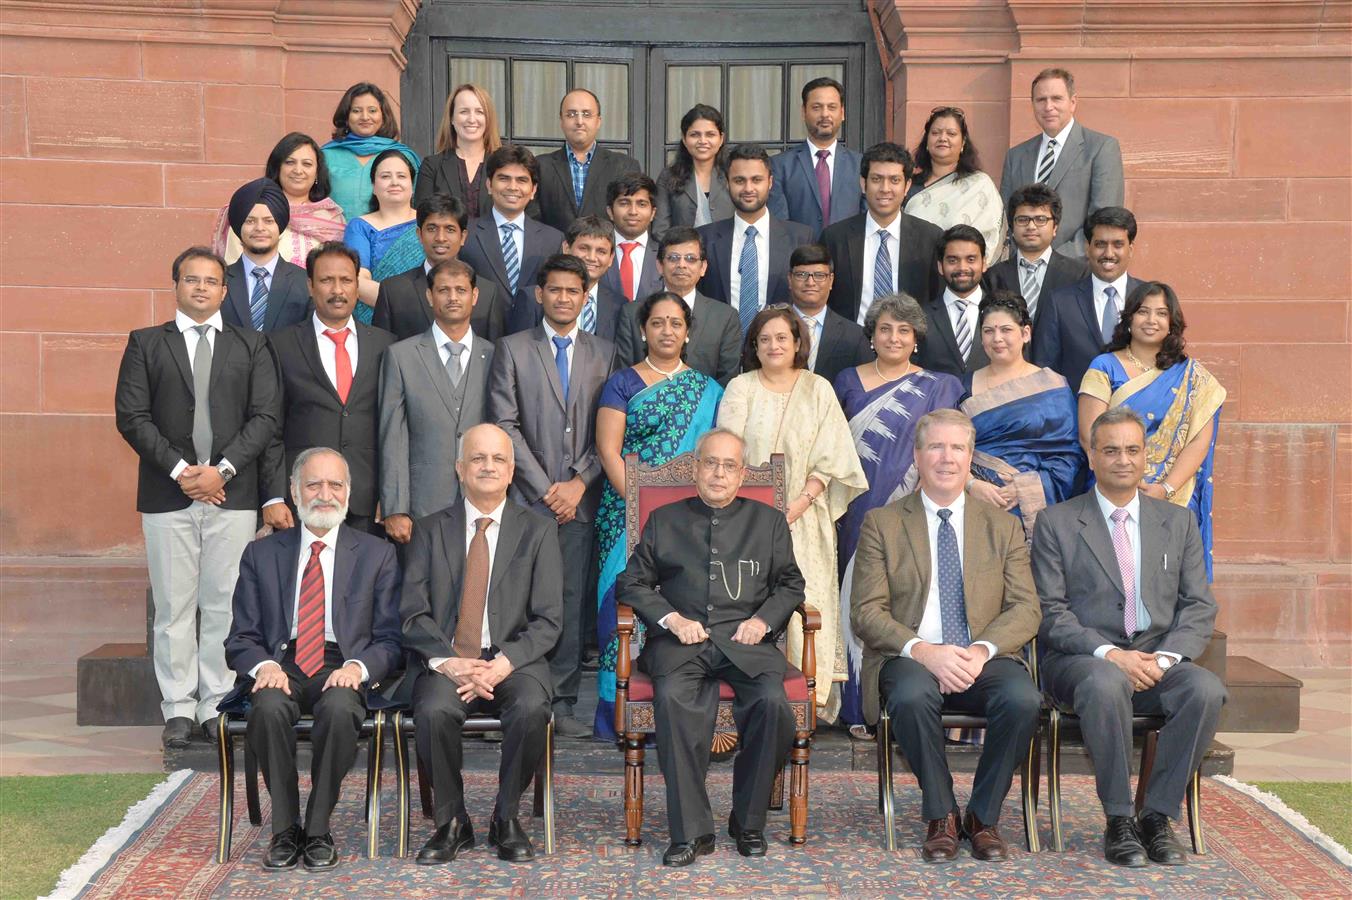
<point>692,190</point>
<point>468,133</point>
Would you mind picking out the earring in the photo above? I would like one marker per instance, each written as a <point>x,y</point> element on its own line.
<point>643,338</point>
<point>870,345</point>
<point>687,340</point>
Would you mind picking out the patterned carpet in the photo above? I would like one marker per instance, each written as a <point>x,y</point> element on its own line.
<point>1252,852</point>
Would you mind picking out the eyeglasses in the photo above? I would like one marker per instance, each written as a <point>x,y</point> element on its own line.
<point>720,465</point>
<point>195,280</point>
<point>579,114</point>
<point>689,258</point>
<point>948,111</point>
<point>1039,221</point>
<point>814,277</point>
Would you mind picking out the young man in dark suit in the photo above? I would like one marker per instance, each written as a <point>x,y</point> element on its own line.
<point>953,344</point>
<point>574,178</point>
<point>1035,270</point>
<point>197,399</point>
<point>837,343</point>
<point>630,204</point>
<point>263,291</point>
<point>817,181</point>
<point>592,240</point>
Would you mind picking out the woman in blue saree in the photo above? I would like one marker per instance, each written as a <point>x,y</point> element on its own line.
<point>386,238</point>
<point>364,126</point>
<point>657,409</point>
<point>1145,368</point>
<point>1028,453</point>
<point>883,400</point>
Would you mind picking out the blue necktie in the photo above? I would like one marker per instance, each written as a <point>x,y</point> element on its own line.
<point>952,605</point>
<point>748,300</point>
<point>882,267</point>
<point>1110,313</point>
<point>258,300</point>
<point>509,257</point>
<point>561,345</point>
<point>589,315</point>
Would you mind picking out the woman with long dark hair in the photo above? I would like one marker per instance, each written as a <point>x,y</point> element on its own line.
<point>949,187</point>
<point>364,126</point>
<point>693,189</point>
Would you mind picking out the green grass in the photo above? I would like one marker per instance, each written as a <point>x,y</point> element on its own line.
<point>48,821</point>
<point>1327,804</point>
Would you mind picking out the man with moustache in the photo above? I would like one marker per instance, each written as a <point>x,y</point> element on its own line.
<point>574,178</point>
<point>592,240</point>
<point>631,206</point>
<point>330,375</point>
<point>263,291</point>
<point>816,183</point>
<point>401,306</point>
<point>1035,270</point>
<point>837,343</point>
<point>953,345</point>
<point>316,625</point>
<point>433,389</point>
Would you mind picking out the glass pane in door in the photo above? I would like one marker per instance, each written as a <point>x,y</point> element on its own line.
<point>489,74</point>
<point>537,88</point>
<point>755,104</point>
<point>686,86</point>
<point>801,75</point>
<point>610,83</point>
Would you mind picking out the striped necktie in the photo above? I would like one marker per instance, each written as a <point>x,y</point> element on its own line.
<point>882,267</point>
<point>258,300</point>
<point>748,300</point>
<point>310,615</point>
<point>1044,168</point>
<point>509,255</point>
<point>964,329</point>
<point>588,319</point>
<point>1028,282</point>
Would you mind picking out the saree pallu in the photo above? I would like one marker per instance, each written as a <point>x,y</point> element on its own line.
<point>662,421</point>
<point>1026,436</point>
<point>350,176</point>
<point>383,253</point>
<point>1176,404</point>
<point>970,200</point>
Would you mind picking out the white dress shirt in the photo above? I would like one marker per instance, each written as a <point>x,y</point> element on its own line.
<point>188,328</point>
<point>690,300</point>
<point>830,158</point>
<point>739,226</point>
<point>814,325</point>
<point>472,514</point>
<point>1099,300</point>
<point>518,233</point>
<point>550,334</point>
<point>1060,139</point>
<point>871,228</point>
<point>960,308</point>
<point>636,256</point>
<point>444,342</point>
<point>1133,526</point>
<point>931,629</point>
<point>328,349</point>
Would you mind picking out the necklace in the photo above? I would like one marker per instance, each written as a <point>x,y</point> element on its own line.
<point>898,378</point>
<point>647,360</point>
<point>1134,361</point>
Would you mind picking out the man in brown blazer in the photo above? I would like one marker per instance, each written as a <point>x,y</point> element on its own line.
<point>943,601</point>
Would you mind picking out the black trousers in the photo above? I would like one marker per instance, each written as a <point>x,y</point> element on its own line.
<point>338,716</point>
<point>685,705</point>
<point>1003,693</point>
<point>577,543</point>
<point>439,714</point>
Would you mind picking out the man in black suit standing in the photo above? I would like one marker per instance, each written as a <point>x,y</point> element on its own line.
<point>837,343</point>
<point>714,578</point>
<point>507,247</point>
<point>401,306</point>
<point>330,376</point>
<point>884,250</point>
<point>592,240</point>
<point>749,253</point>
<point>953,344</point>
<point>1077,321</point>
<point>1035,270</point>
<point>197,400</point>
<point>574,178</point>
<point>482,605</point>
<point>631,206</point>
<point>316,624</point>
<point>263,291</point>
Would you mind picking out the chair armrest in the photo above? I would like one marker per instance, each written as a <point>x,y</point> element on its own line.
<point>812,620</point>
<point>624,629</point>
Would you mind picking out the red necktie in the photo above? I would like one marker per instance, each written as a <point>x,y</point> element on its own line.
<point>342,362</point>
<point>627,269</point>
<point>310,615</point>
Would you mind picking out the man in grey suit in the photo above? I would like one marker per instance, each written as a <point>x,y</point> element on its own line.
<point>543,390</point>
<point>1125,609</point>
<point>817,182</point>
<point>1083,166</point>
<point>432,390</point>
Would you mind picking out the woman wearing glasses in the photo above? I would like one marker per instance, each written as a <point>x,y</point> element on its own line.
<point>949,187</point>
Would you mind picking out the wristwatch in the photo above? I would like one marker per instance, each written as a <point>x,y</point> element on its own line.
<point>226,473</point>
<point>1164,662</point>
<point>1168,491</point>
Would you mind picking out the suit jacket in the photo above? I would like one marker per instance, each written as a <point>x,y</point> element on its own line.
<point>422,420</point>
<point>609,304</point>
<point>915,260</point>
<point>154,406</point>
<point>842,346</point>
<point>681,207</point>
<point>715,346</point>
<point>554,199</point>
<point>795,195</point>
<point>402,308</point>
<point>365,610</point>
<point>440,174</point>
<point>313,416</point>
<point>525,589</point>
<point>1080,584</point>
<point>1087,176</point>
<point>892,582</point>
<point>674,569</point>
<point>483,251</point>
<point>938,350</point>
<point>1061,271</point>
<point>1067,336</point>
<point>649,280</point>
<point>288,296</point>
<point>784,238</point>
<point>554,436</point>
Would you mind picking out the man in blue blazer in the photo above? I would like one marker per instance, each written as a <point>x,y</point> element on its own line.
<point>263,292</point>
<point>817,182</point>
<point>316,625</point>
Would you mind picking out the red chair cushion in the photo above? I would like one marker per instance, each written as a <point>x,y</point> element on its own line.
<point>795,686</point>
<point>650,497</point>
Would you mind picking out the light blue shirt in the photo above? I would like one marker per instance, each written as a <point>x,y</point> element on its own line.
<point>249,265</point>
<point>579,171</point>
<point>814,323</point>
<point>518,233</point>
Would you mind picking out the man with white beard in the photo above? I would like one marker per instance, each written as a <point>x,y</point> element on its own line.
<point>316,625</point>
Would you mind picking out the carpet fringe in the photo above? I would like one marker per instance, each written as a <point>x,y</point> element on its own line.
<point>1292,817</point>
<point>97,856</point>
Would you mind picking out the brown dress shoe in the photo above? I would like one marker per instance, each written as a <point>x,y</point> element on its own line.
<point>941,840</point>
<point>987,845</point>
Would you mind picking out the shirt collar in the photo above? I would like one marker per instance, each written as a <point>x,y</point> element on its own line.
<point>271,265</point>
<point>472,513</point>
<point>894,229</point>
<point>308,537</point>
<point>953,301</point>
<point>1120,283</point>
<point>427,266</point>
<point>690,299</point>
<point>830,151</point>
<point>1044,257</point>
<point>500,220</point>
<point>182,322</point>
<point>641,240</point>
<point>1106,506</point>
<point>551,333</point>
<point>320,327</point>
<point>572,157</point>
<point>1059,137</point>
<point>740,225</point>
<point>933,508</point>
<point>818,318</point>
<point>442,338</point>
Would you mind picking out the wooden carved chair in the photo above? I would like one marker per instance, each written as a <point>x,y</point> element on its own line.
<point>647,488</point>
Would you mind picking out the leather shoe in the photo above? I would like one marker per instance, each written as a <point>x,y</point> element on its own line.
<point>177,732</point>
<point>987,845</point>
<point>284,849</point>
<point>512,842</point>
<point>1161,844</point>
<point>1122,844</point>
<point>941,840</point>
<point>446,842</point>
<point>320,852</point>
<point>211,730</point>
<point>685,852</point>
<point>750,841</point>
<point>571,729</point>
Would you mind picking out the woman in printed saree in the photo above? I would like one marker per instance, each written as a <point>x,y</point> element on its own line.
<point>949,187</point>
<point>883,400</point>
<point>657,409</point>
<point>778,406</point>
<point>364,126</point>
<point>1145,367</point>
<point>1028,453</point>
<point>386,238</point>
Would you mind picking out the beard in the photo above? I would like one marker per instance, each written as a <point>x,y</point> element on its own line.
<point>318,515</point>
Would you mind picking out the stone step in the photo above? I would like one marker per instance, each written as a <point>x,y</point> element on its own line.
<point>1262,699</point>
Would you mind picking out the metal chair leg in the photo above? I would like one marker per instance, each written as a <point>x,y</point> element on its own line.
<point>401,777</point>
<point>1027,784</point>
<point>1194,804</point>
<point>537,806</point>
<point>373,766</point>
<point>549,788</point>
<point>251,785</point>
<point>885,780</point>
<point>1054,777</point>
<point>225,749</point>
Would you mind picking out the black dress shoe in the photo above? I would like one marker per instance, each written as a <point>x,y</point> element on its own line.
<point>512,843</point>
<point>1122,844</point>
<point>1161,844</point>
<point>684,853</point>
<point>177,732</point>
<point>211,730</point>
<point>446,842</point>
<point>571,729</point>
<point>284,849</point>
<point>319,852</point>
<point>750,841</point>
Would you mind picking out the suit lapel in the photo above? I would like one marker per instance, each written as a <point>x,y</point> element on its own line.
<point>1085,300</point>
<point>237,292</point>
<point>509,536</point>
<point>544,348</point>
<point>598,176</point>
<point>722,267</point>
<point>344,561</point>
<point>973,522</point>
<point>804,154</point>
<point>856,245</point>
<point>225,345</point>
<point>368,368</point>
<point>431,357</point>
<point>453,551</point>
<point>939,321</point>
<point>1069,158</point>
<point>917,534</point>
<point>178,349</point>
<point>566,176</point>
<point>844,181</point>
<point>277,294</point>
<point>288,562</point>
<point>486,232</point>
<point>1095,534</point>
<point>1152,555</point>
<point>309,348</point>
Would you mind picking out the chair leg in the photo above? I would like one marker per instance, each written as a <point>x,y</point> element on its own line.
<point>1148,749</point>
<point>401,779</point>
<point>1037,766</point>
<point>547,779</point>
<point>633,788</point>
<point>885,780</point>
<point>777,791</point>
<point>425,789</point>
<point>798,760</point>
<point>251,785</point>
<point>374,749</point>
<point>226,751</point>
<point>537,807</point>
<point>1028,785</point>
<point>1054,777</point>
<point>1194,804</point>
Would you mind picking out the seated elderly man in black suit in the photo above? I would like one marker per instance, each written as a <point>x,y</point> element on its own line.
<point>316,621</point>
<point>714,579</point>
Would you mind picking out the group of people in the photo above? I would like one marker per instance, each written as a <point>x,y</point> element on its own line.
<point>401,366</point>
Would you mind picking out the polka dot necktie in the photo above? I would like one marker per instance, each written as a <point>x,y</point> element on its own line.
<point>952,603</point>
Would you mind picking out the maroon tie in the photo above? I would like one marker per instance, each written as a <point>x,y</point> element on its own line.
<point>824,185</point>
<point>310,615</point>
